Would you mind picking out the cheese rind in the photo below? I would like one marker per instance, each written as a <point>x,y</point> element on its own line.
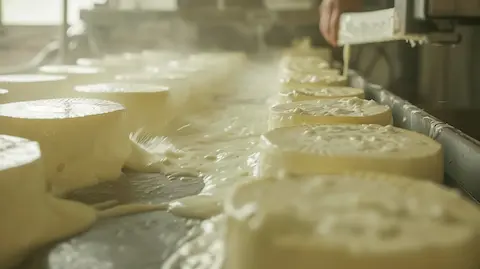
<point>3,96</point>
<point>311,80</point>
<point>343,221</point>
<point>77,74</point>
<point>304,64</point>
<point>83,141</point>
<point>149,107</point>
<point>24,87</point>
<point>332,149</point>
<point>329,111</point>
<point>305,94</point>
<point>31,217</point>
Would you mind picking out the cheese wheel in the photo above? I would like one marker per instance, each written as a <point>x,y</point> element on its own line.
<point>30,216</point>
<point>111,65</point>
<point>330,111</point>
<point>149,107</point>
<point>350,221</point>
<point>221,63</point>
<point>201,79</point>
<point>125,59</point>
<point>3,96</point>
<point>164,79</point>
<point>331,149</point>
<point>83,141</point>
<point>77,74</point>
<point>160,57</point>
<point>311,80</point>
<point>304,94</point>
<point>24,87</point>
<point>178,83</point>
<point>304,64</point>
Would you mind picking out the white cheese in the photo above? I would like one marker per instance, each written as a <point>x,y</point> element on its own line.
<point>303,64</point>
<point>160,57</point>
<point>3,96</point>
<point>30,216</point>
<point>24,87</point>
<point>83,141</point>
<point>149,107</point>
<point>369,221</point>
<point>304,94</point>
<point>331,149</point>
<point>112,64</point>
<point>77,74</point>
<point>329,111</point>
<point>311,80</point>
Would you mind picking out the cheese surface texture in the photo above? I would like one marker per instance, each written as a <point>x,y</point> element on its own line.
<point>301,64</point>
<point>31,217</point>
<point>345,221</point>
<point>25,87</point>
<point>331,149</point>
<point>329,111</point>
<point>305,94</point>
<point>307,80</point>
<point>83,141</point>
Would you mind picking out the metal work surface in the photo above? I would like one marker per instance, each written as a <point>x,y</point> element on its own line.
<point>140,241</point>
<point>144,241</point>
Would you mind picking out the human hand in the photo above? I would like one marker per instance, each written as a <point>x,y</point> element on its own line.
<point>330,11</point>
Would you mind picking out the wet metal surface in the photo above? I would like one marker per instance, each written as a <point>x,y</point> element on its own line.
<point>141,241</point>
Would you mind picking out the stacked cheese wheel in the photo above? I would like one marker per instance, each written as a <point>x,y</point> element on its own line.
<point>369,221</point>
<point>31,217</point>
<point>83,141</point>
<point>326,122</point>
<point>336,193</point>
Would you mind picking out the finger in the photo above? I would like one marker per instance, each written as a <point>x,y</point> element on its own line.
<point>334,26</point>
<point>326,11</point>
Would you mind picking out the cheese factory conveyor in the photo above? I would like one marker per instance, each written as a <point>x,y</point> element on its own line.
<point>144,241</point>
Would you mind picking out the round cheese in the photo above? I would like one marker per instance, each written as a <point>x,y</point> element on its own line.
<point>160,78</point>
<point>349,221</point>
<point>179,84</point>
<point>159,57</point>
<point>311,80</point>
<point>31,217</point>
<point>304,64</point>
<point>149,107</point>
<point>329,111</point>
<point>24,87</point>
<point>127,59</point>
<point>201,78</point>
<point>331,149</point>
<point>83,141</point>
<point>77,74</point>
<point>304,94</point>
<point>3,96</point>
<point>111,64</point>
